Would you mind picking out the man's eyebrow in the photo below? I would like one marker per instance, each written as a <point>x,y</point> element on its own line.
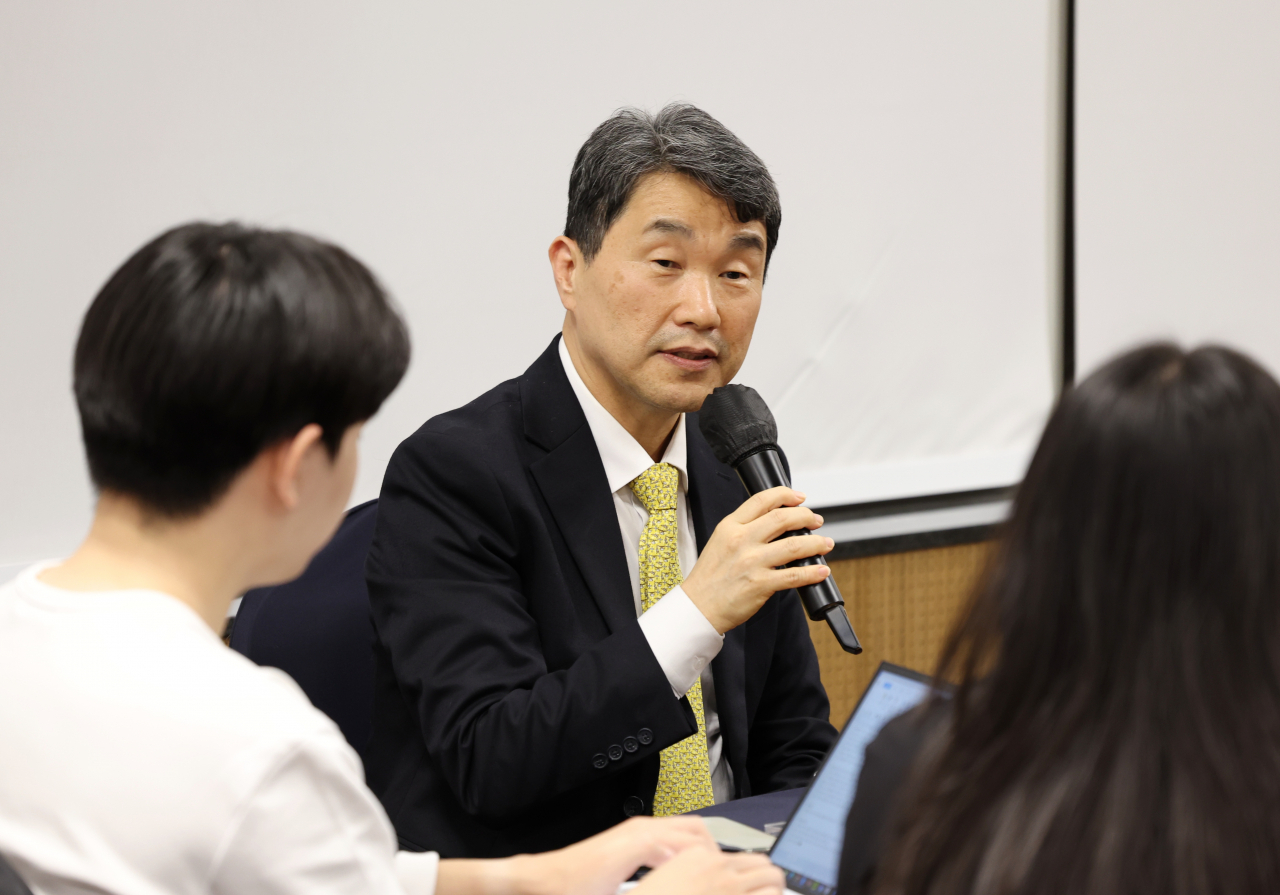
<point>747,241</point>
<point>667,225</point>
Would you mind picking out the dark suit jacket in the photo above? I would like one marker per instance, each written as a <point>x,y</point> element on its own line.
<point>518,706</point>
<point>889,760</point>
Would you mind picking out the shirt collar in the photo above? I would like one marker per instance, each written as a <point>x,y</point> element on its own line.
<point>622,455</point>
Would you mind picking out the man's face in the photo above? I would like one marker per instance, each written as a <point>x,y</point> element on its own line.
<point>665,310</point>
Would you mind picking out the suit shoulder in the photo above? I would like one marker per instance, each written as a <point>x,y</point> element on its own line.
<point>479,424</point>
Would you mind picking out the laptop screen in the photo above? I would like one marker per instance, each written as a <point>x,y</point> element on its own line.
<point>808,849</point>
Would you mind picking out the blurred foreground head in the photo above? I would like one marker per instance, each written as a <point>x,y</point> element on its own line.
<point>214,342</point>
<point>1118,715</point>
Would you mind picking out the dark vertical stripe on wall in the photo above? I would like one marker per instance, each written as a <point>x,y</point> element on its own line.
<point>1069,194</point>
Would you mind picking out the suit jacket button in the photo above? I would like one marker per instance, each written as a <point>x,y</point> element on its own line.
<point>645,736</point>
<point>632,806</point>
<point>630,744</point>
<point>615,752</point>
<point>599,760</point>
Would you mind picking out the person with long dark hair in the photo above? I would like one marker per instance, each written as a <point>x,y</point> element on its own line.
<point>1115,721</point>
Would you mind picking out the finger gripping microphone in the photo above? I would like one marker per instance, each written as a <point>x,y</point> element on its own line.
<point>740,429</point>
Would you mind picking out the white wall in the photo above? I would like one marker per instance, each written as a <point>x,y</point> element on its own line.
<point>909,347</point>
<point>905,339</point>
<point>1178,175</point>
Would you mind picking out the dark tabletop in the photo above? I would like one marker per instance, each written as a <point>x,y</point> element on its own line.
<point>756,811</point>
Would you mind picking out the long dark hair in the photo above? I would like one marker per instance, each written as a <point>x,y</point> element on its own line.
<point>1117,716</point>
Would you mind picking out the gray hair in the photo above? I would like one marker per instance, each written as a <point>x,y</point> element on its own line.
<point>681,138</point>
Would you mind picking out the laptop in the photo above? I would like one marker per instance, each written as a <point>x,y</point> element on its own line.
<point>808,848</point>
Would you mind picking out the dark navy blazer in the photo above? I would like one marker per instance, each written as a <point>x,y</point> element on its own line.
<point>518,706</point>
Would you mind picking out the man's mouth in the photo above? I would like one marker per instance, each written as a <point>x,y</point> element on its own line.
<point>692,359</point>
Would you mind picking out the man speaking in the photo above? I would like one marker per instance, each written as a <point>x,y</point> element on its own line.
<point>575,609</point>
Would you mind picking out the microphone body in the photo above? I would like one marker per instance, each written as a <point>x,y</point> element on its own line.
<point>761,471</point>
<point>742,433</point>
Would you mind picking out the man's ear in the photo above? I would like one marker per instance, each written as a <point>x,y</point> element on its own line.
<point>566,260</point>
<point>285,467</point>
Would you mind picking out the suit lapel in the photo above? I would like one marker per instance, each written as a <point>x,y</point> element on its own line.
<point>714,492</point>
<point>573,483</point>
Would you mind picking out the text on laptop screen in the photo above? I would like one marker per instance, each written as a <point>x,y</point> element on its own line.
<point>809,848</point>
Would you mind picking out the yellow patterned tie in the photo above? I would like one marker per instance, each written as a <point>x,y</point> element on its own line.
<point>684,778</point>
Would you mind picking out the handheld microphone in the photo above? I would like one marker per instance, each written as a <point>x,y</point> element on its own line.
<point>742,433</point>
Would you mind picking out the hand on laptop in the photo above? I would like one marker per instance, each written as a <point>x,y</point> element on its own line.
<point>700,871</point>
<point>597,866</point>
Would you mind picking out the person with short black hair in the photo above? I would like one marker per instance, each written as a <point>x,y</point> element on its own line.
<point>1115,727</point>
<point>213,342</point>
<point>579,619</point>
<point>222,376</point>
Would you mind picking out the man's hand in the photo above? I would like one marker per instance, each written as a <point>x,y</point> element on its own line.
<point>597,866</point>
<point>700,871</point>
<point>740,567</point>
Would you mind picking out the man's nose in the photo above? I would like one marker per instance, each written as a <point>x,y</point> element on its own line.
<point>698,303</point>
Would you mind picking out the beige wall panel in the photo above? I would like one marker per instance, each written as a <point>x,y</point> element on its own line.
<point>902,605</point>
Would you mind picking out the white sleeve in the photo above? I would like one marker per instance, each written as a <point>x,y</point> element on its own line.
<point>417,871</point>
<point>312,826</point>
<point>682,639</point>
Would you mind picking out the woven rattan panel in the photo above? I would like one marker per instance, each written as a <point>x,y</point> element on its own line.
<point>902,606</point>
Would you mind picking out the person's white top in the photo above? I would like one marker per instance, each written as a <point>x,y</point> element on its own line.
<point>682,639</point>
<point>141,756</point>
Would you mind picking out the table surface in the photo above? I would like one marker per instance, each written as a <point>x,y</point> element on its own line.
<point>756,811</point>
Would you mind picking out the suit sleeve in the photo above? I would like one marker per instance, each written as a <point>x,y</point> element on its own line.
<point>790,733</point>
<point>450,606</point>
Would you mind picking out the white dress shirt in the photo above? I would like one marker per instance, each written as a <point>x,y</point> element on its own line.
<point>141,756</point>
<point>682,639</point>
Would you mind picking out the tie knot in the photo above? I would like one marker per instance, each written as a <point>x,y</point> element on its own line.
<point>656,487</point>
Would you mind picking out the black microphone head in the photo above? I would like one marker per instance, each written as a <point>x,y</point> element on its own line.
<point>737,423</point>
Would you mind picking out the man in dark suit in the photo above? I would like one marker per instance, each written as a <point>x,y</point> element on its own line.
<point>579,618</point>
